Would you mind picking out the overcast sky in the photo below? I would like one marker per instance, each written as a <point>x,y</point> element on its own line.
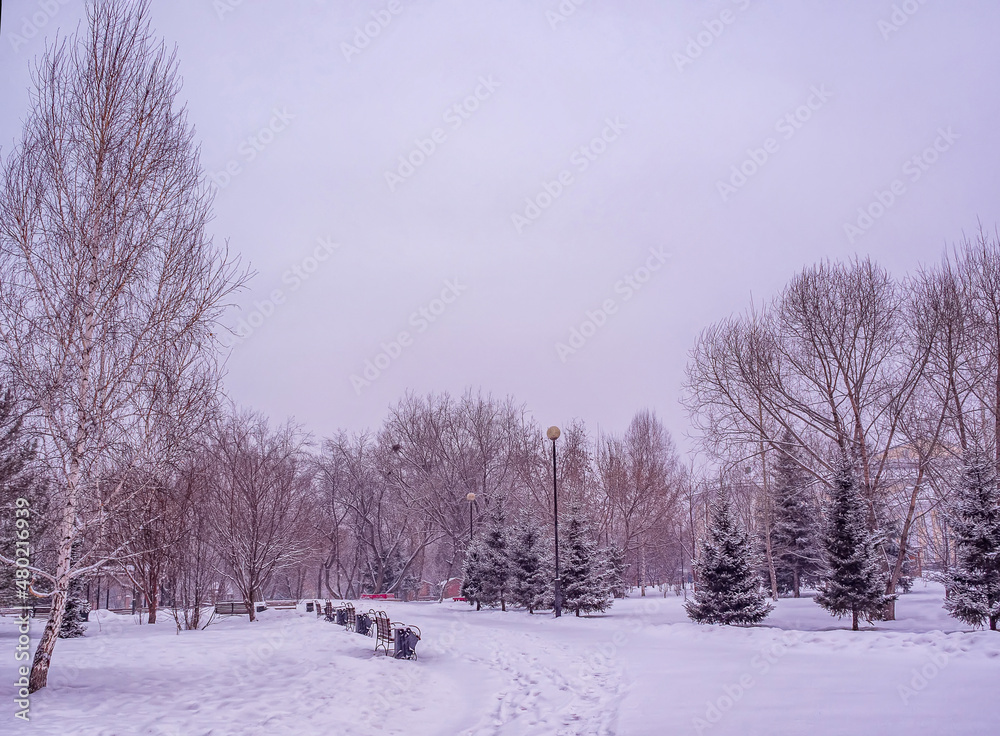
<point>488,177</point>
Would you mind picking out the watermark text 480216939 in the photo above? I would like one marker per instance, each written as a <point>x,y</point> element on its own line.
<point>22,646</point>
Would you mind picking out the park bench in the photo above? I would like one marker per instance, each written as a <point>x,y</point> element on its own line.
<point>342,615</point>
<point>237,608</point>
<point>378,596</point>
<point>363,624</point>
<point>401,637</point>
<point>283,605</point>
<point>231,608</point>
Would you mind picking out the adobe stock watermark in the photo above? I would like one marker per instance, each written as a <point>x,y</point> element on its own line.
<point>733,693</point>
<point>900,16</point>
<point>787,126</point>
<point>565,10</point>
<point>22,578</point>
<point>913,170</point>
<point>454,117</point>
<point>365,34</point>
<point>250,148</point>
<point>623,291</point>
<point>420,320</point>
<point>921,678</point>
<point>292,278</point>
<point>32,25</point>
<point>223,8</point>
<point>580,160</point>
<point>714,28</point>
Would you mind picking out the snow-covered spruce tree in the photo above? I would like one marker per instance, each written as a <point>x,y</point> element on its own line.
<point>495,581</point>
<point>853,581</point>
<point>77,611</point>
<point>584,584</point>
<point>472,573</point>
<point>974,584</point>
<point>796,532</point>
<point>530,568</point>
<point>613,564</point>
<point>729,588</point>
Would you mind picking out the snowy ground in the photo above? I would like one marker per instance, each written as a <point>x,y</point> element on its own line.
<point>641,669</point>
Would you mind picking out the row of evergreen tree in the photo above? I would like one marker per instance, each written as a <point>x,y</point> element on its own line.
<point>515,565</point>
<point>842,555</point>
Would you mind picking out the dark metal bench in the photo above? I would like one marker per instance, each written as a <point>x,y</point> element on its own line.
<point>237,608</point>
<point>401,637</point>
<point>343,615</point>
<point>231,608</point>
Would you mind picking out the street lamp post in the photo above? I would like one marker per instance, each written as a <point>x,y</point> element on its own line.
<point>553,434</point>
<point>470,497</point>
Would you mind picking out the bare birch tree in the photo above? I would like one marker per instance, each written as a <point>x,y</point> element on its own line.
<point>111,287</point>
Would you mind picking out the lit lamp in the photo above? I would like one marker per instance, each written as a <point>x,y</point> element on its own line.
<point>553,434</point>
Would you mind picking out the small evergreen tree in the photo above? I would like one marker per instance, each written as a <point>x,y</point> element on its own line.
<point>853,581</point>
<point>729,590</point>
<point>584,584</point>
<point>495,580</point>
<point>531,568</point>
<point>796,532</point>
<point>974,584</point>
<point>77,613</point>
<point>472,573</point>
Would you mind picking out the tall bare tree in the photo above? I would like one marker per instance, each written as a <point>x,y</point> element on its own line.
<point>111,288</point>
<point>259,499</point>
<point>639,475</point>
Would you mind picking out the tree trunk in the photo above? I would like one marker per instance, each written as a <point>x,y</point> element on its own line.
<point>795,582</point>
<point>43,654</point>
<point>642,570</point>
<point>769,554</point>
<point>153,594</point>
<point>772,574</point>
<point>854,615</point>
<point>248,601</point>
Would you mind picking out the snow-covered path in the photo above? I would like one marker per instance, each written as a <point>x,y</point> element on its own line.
<point>640,670</point>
